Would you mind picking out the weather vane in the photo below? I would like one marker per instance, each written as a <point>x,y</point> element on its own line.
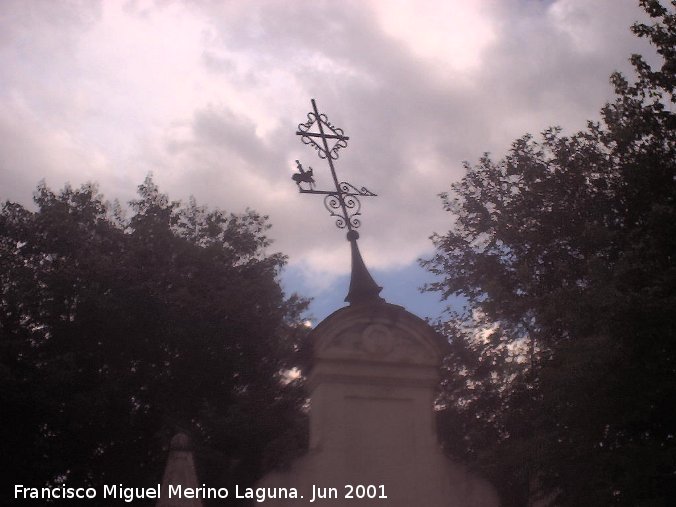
<point>342,203</point>
<point>327,140</point>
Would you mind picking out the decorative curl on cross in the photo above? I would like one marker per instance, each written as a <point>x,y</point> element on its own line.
<point>334,202</point>
<point>327,139</point>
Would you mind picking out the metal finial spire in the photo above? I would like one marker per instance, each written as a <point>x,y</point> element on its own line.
<point>343,202</point>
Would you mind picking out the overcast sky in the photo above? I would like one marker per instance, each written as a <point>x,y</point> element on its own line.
<point>208,95</point>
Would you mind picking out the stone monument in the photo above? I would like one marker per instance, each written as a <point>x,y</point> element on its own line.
<point>180,470</point>
<point>373,438</point>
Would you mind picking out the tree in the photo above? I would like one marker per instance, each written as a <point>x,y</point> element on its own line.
<point>562,383</point>
<point>117,333</point>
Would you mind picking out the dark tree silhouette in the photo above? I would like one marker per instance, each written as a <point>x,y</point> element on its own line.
<point>562,383</point>
<point>116,333</point>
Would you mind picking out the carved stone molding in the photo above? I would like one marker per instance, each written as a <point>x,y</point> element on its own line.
<point>377,340</point>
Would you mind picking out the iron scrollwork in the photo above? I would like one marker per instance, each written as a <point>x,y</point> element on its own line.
<point>342,202</point>
<point>338,202</point>
<point>350,189</point>
<point>323,124</point>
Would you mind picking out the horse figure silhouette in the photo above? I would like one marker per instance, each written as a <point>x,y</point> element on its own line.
<point>303,176</point>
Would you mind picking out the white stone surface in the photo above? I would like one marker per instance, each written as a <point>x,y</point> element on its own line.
<point>371,416</point>
<point>180,470</point>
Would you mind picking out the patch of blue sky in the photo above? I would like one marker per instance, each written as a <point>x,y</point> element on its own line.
<point>401,286</point>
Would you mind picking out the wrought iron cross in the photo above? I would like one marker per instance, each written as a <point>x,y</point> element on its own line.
<point>327,140</point>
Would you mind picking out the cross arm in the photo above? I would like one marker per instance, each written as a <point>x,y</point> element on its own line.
<point>325,136</point>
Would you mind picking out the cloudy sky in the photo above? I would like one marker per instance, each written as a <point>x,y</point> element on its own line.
<point>208,94</point>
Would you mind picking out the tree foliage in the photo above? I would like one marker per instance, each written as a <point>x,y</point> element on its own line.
<point>562,384</point>
<point>115,333</point>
